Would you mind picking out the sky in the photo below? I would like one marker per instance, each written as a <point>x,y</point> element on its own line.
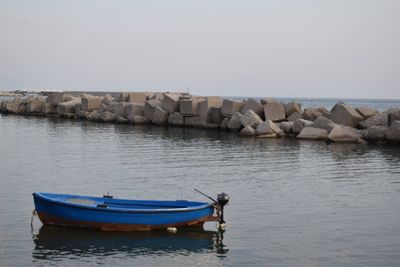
<point>282,48</point>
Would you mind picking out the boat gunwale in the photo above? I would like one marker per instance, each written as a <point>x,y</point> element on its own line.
<point>42,196</point>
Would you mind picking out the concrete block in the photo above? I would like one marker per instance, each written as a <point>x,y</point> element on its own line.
<point>160,116</point>
<point>170,103</point>
<point>230,107</point>
<point>55,98</point>
<point>274,112</point>
<point>216,115</point>
<point>89,103</point>
<point>253,105</point>
<point>149,107</point>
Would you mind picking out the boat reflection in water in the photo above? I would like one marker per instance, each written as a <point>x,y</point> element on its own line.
<point>55,243</point>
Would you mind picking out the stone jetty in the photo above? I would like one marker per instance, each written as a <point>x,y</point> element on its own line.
<point>264,118</point>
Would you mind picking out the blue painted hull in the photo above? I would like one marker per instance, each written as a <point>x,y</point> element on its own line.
<point>119,214</point>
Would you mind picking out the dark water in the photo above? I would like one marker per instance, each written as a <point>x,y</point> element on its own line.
<point>293,203</point>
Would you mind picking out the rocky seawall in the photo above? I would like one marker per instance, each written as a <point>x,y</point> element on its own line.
<point>267,118</point>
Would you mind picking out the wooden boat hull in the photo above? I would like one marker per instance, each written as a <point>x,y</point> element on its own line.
<point>118,214</point>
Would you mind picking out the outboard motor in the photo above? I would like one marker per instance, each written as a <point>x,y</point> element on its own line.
<point>222,200</point>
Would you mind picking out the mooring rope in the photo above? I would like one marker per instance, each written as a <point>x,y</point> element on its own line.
<point>34,213</point>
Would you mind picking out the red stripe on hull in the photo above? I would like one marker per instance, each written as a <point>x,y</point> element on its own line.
<point>51,220</point>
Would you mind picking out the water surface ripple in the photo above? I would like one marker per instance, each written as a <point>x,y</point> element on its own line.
<point>292,202</point>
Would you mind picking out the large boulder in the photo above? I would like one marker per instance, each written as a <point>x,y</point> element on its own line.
<point>67,107</point>
<point>89,102</point>
<point>393,133</point>
<point>107,116</point>
<point>323,123</point>
<point>366,112</point>
<point>133,109</point>
<point>48,108</point>
<point>247,131</point>
<point>137,97</point>
<point>374,134</point>
<point>346,115</point>
<point>234,123</point>
<point>294,116</point>
<point>176,119</point>
<point>216,115</point>
<point>206,105</point>
<point>292,107</point>
<point>170,102</point>
<point>55,98</point>
<point>253,105</point>
<point>268,100</point>
<point>380,119</point>
<point>107,99</point>
<point>286,126</point>
<point>299,124</point>
<point>150,106</point>
<point>16,107</point>
<point>188,106</point>
<point>34,106</point>
<point>269,129</point>
<point>313,133</point>
<point>341,134</point>
<point>274,112</point>
<point>393,116</point>
<point>140,120</point>
<point>230,107</point>
<point>160,116</point>
<point>118,108</point>
<point>312,113</point>
<point>250,118</point>
<point>93,116</point>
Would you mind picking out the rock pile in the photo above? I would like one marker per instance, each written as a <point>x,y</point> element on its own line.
<point>266,118</point>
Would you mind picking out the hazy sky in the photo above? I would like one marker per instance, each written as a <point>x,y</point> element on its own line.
<point>304,48</point>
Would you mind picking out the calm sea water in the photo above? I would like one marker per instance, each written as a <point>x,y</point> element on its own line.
<point>293,203</point>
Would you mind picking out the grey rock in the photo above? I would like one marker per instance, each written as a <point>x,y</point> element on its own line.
<point>346,115</point>
<point>393,116</point>
<point>299,124</point>
<point>341,134</point>
<point>268,100</point>
<point>149,107</point>
<point>374,134</point>
<point>121,120</point>
<point>292,107</point>
<point>118,108</point>
<point>269,129</point>
<point>247,131</point>
<point>323,123</point>
<point>93,116</point>
<point>230,107</point>
<point>48,108</point>
<point>294,116</point>
<point>160,116</point>
<point>34,106</point>
<point>55,98</point>
<point>313,133</point>
<point>107,116</point>
<point>140,120</point>
<point>234,123</point>
<point>89,103</point>
<point>286,126</point>
<point>366,112</point>
<point>67,107</point>
<point>133,109</point>
<point>393,133</point>
<point>189,106</point>
<point>137,97</point>
<point>170,102</point>
<point>216,115</point>
<point>107,99</point>
<point>206,105</point>
<point>224,123</point>
<point>274,112</point>
<point>253,105</point>
<point>380,119</point>
<point>250,118</point>
<point>313,113</point>
<point>176,119</point>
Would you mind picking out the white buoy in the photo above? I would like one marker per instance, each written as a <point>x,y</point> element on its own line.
<point>172,229</point>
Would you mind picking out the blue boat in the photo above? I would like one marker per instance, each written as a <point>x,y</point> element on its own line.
<point>108,213</point>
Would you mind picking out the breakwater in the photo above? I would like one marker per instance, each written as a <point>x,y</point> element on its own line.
<point>264,118</point>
